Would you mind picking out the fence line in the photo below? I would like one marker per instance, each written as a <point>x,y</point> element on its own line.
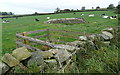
<point>28,41</point>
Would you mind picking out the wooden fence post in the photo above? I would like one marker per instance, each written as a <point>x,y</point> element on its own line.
<point>17,39</point>
<point>25,41</point>
<point>48,34</point>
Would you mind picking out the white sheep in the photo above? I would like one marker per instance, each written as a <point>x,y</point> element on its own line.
<point>105,16</point>
<point>91,15</point>
<point>48,18</point>
<point>82,14</point>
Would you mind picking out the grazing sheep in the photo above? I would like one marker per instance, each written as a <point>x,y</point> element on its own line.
<point>5,21</point>
<point>36,19</point>
<point>105,16</point>
<point>91,15</point>
<point>82,14</point>
<point>48,18</point>
<point>102,14</point>
<point>113,17</point>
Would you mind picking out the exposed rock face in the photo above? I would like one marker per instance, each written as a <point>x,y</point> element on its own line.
<point>21,53</point>
<point>3,68</point>
<point>10,60</point>
<point>66,20</point>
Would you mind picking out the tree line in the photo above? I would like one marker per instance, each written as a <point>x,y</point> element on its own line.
<point>111,6</point>
<point>6,13</point>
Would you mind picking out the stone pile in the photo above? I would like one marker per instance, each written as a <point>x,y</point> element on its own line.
<point>66,20</point>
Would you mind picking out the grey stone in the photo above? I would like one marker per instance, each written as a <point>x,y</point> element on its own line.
<point>67,47</point>
<point>46,54</point>
<point>3,68</point>
<point>76,43</point>
<point>108,34</point>
<point>83,38</point>
<point>107,43</point>
<point>51,62</point>
<point>21,53</point>
<point>36,58</point>
<point>62,55</point>
<point>111,30</point>
<point>10,60</point>
<point>66,20</point>
<point>92,37</point>
<point>105,37</point>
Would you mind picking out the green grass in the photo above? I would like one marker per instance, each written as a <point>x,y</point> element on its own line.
<point>24,24</point>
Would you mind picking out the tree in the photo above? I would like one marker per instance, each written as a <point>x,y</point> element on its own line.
<point>83,8</point>
<point>4,13</point>
<point>10,13</point>
<point>72,10</point>
<point>66,9</point>
<point>111,6</point>
<point>36,13</point>
<point>57,10</point>
<point>92,7</point>
<point>118,9</point>
<point>97,8</point>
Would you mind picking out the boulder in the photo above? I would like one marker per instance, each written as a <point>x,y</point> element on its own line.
<point>82,38</point>
<point>108,34</point>
<point>10,60</point>
<point>62,55</point>
<point>21,53</point>
<point>67,47</point>
<point>3,68</point>
<point>37,58</point>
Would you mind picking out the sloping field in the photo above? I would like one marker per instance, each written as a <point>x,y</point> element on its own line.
<point>23,24</point>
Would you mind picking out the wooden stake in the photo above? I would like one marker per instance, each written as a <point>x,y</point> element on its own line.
<point>26,41</point>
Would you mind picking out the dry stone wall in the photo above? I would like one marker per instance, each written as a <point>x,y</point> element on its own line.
<point>66,20</point>
<point>58,58</point>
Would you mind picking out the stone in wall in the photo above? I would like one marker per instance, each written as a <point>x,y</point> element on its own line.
<point>67,47</point>
<point>76,43</point>
<point>107,34</point>
<point>21,53</point>
<point>52,63</point>
<point>3,68</point>
<point>46,54</point>
<point>111,30</point>
<point>10,60</point>
<point>37,58</point>
<point>62,55</point>
<point>83,38</point>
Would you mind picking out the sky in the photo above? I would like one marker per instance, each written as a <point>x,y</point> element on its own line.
<point>49,6</point>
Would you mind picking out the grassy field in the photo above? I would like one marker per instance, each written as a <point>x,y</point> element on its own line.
<point>24,24</point>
